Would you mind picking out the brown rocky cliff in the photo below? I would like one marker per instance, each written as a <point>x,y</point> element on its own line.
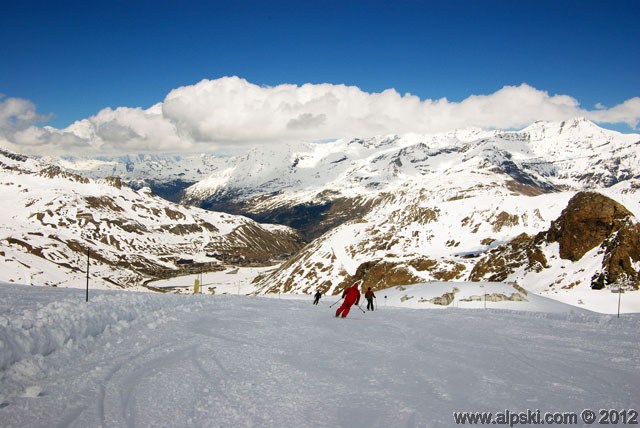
<point>588,220</point>
<point>622,252</point>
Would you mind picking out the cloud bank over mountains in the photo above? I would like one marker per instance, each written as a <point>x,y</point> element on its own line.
<point>231,110</point>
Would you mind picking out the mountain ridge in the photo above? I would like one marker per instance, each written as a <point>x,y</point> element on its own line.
<point>267,182</point>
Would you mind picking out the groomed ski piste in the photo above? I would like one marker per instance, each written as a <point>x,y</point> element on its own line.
<point>142,359</point>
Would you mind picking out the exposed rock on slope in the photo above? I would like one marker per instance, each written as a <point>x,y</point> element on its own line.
<point>622,257</point>
<point>255,244</point>
<point>590,222</point>
<point>523,252</point>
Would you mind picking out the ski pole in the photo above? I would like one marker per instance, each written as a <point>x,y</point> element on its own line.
<point>361,309</point>
<point>331,305</point>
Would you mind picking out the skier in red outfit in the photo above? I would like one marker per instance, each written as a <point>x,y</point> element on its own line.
<point>352,296</point>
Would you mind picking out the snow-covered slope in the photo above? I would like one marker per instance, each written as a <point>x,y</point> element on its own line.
<point>138,359</point>
<point>577,155</point>
<point>51,218</point>
<point>411,239</point>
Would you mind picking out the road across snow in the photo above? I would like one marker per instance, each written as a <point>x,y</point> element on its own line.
<point>142,359</point>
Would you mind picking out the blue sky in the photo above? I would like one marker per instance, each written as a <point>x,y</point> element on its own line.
<point>72,59</point>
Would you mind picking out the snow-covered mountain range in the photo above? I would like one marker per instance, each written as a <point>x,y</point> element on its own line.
<point>299,184</point>
<point>53,221</point>
<point>403,209</point>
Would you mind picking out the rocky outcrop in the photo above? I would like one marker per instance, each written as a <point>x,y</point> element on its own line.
<point>446,299</point>
<point>622,252</point>
<point>588,220</point>
<point>523,251</point>
<point>52,171</point>
<point>382,274</point>
<point>496,297</point>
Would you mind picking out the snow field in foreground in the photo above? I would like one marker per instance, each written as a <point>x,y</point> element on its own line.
<point>143,359</point>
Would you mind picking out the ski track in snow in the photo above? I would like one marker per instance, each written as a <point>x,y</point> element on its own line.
<point>230,361</point>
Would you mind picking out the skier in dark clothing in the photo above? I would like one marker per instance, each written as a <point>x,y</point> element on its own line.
<point>351,295</point>
<point>369,296</point>
<point>317,297</point>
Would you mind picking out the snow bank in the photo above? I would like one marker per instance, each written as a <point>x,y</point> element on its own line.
<point>41,330</point>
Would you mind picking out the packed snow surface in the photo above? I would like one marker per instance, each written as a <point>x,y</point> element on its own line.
<point>129,359</point>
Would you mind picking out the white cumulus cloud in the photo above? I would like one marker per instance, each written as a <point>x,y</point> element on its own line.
<point>231,110</point>
<point>17,114</point>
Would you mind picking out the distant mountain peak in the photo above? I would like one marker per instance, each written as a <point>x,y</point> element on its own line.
<point>579,126</point>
